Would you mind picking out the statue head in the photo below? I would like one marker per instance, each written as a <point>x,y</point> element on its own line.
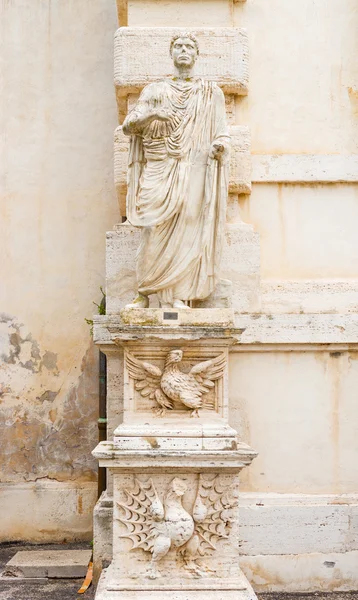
<point>184,50</point>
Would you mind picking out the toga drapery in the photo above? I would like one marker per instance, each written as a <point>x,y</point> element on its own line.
<point>176,192</point>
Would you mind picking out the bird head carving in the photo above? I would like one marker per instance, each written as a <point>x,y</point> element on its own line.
<point>174,356</point>
<point>178,486</point>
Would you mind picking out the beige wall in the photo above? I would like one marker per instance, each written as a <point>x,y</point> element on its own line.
<point>298,410</point>
<point>57,201</point>
<point>303,75</point>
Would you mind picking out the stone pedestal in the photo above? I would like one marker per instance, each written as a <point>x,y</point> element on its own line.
<point>174,460</point>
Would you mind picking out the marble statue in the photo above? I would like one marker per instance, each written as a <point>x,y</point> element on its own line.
<point>178,182</point>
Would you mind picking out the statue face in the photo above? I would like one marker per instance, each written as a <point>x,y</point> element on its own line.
<point>184,53</point>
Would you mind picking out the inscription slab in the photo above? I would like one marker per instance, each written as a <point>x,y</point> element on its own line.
<point>141,56</point>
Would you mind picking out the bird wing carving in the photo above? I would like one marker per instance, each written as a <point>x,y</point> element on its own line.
<point>141,512</point>
<point>206,372</point>
<point>213,512</point>
<point>147,377</point>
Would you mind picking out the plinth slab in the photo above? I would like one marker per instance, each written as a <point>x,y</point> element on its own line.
<point>58,564</point>
<point>204,317</point>
<point>243,591</point>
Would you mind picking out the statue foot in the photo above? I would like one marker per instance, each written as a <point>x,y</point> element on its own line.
<point>139,302</point>
<point>179,304</point>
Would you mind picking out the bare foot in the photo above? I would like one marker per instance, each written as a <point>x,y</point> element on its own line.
<point>179,303</point>
<point>139,302</point>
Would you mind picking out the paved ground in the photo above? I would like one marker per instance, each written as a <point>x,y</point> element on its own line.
<point>55,589</point>
<point>66,589</point>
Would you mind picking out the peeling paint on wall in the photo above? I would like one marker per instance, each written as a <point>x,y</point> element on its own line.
<point>48,430</point>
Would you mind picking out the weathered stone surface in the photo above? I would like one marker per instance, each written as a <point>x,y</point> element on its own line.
<point>283,572</point>
<point>45,509</point>
<point>102,533</point>
<point>244,593</point>
<point>317,523</point>
<point>309,296</point>
<point>171,317</point>
<point>141,56</point>
<point>59,414</point>
<point>121,279</point>
<point>305,168</point>
<point>298,328</point>
<point>65,564</point>
<point>244,271</point>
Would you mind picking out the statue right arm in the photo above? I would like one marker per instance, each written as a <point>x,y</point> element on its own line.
<point>137,120</point>
<point>145,111</point>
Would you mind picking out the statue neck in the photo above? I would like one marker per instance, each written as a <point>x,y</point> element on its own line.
<point>183,72</point>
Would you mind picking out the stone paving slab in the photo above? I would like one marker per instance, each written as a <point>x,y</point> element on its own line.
<point>60,564</point>
<point>66,589</point>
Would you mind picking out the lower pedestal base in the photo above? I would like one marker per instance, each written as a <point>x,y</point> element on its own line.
<point>244,593</point>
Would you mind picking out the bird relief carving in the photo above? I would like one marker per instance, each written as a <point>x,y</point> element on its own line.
<point>172,385</point>
<point>157,526</point>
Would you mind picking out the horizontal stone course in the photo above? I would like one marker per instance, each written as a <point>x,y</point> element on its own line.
<point>141,56</point>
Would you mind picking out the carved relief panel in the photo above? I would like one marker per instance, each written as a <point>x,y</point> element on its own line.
<point>176,530</point>
<point>180,381</point>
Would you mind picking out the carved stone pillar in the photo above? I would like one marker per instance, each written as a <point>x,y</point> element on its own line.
<point>175,462</point>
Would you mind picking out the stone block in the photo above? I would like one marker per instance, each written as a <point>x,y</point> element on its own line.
<point>305,168</point>
<point>58,564</point>
<point>200,317</point>
<point>141,56</point>
<point>240,163</point>
<point>121,281</point>
<point>309,296</point>
<point>302,573</point>
<point>105,593</point>
<point>240,264</point>
<point>102,534</point>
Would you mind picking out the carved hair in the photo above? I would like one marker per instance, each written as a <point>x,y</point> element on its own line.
<point>184,34</point>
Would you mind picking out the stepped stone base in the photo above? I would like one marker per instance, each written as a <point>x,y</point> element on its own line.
<point>243,591</point>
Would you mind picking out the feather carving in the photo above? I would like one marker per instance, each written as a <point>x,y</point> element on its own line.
<point>172,384</point>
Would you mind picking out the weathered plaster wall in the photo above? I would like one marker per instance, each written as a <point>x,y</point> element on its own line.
<point>57,200</point>
<point>298,409</point>
<point>303,75</point>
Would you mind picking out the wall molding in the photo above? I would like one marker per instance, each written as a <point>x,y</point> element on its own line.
<point>305,168</point>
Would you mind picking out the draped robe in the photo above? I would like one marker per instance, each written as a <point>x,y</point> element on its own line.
<point>176,192</point>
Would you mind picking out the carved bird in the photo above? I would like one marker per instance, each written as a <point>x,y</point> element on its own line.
<point>156,526</point>
<point>172,384</point>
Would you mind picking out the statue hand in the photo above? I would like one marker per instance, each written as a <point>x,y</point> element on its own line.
<point>160,115</point>
<point>216,151</point>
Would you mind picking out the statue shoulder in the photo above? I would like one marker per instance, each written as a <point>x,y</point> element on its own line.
<point>152,89</point>
<point>213,87</point>
<point>217,91</point>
